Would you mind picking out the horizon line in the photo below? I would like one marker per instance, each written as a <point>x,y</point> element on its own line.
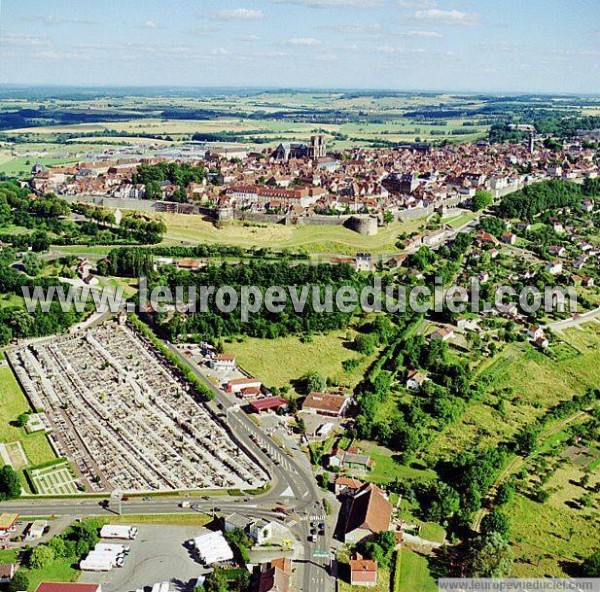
<point>31,85</point>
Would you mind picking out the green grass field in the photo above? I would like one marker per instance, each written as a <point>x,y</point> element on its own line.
<point>60,570</point>
<point>93,252</point>
<point>195,519</point>
<point>314,239</point>
<point>387,469</point>
<point>414,573</point>
<point>8,300</point>
<point>545,539</point>
<point>12,404</point>
<point>278,361</point>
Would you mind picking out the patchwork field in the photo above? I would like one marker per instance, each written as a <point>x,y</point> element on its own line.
<point>547,540</point>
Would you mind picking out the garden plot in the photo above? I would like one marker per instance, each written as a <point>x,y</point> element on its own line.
<point>53,480</point>
<point>124,418</point>
<point>13,454</point>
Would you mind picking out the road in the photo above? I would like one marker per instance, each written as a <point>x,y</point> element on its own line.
<point>574,321</point>
<point>293,482</point>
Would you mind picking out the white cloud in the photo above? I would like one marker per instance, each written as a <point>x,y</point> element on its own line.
<point>424,34</point>
<point>417,4</point>
<point>250,38</point>
<point>60,55</point>
<point>304,41</point>
<point>149,25</point>
<point>21,40</point>
<point>448,17</point>
<point>51,20</point>
<point>238,14</point>
<point>399,50</point>
<point>333,3</point>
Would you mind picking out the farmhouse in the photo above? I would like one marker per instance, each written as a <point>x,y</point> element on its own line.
<point>261,531</point>
<point>275,576</point>
<point>363,572</point>
<point>554,267</point>
<point>370,513</point>
<point>443,333</point>
<point>414,380</point>
<point>346,459</point>
<point>347,485</point>
<point>36,530</point>
<point>534,332</point>
<point>191,264</point>
<point>364,262</point>
<point>485,238</point>
<point>249,393</point>
<point>326,404</point>
<point>223,362</point>
<point>509,238</point>
<point>7,572</point>
<point>237,385</point>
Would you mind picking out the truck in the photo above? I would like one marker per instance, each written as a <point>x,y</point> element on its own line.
<point>96,564</point>
<point>115,559</point>
<point>118,531</point>
<point>115,548</point>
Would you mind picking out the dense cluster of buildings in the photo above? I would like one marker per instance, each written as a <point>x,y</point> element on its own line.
<point>303,179</point>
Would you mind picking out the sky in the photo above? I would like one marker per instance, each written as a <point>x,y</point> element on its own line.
<point>541,46</point>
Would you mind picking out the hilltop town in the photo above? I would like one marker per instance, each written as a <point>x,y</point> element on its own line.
<point>303,181</point>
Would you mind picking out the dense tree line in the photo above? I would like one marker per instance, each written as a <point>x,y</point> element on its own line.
<point>18,322</point>
<point>136,261</point>
<point>214,324</point>
<point>76,542</point>
<point>535,199</point>
<point>440,401</point>
<point>562,125</point>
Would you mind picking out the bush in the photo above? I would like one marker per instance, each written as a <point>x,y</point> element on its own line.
<point>19,582</point>
<point>41,557</point>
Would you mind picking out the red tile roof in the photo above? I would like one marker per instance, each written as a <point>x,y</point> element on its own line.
<point>63,587</point>
<point>268,403</point>
<point>370,510</point>
<point>325,402</point>
<point>363,571</point>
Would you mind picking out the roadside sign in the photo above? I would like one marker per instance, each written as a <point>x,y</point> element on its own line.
<point>324,554</point>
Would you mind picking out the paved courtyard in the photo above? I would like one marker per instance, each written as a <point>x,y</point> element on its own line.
<point>158,554</point>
